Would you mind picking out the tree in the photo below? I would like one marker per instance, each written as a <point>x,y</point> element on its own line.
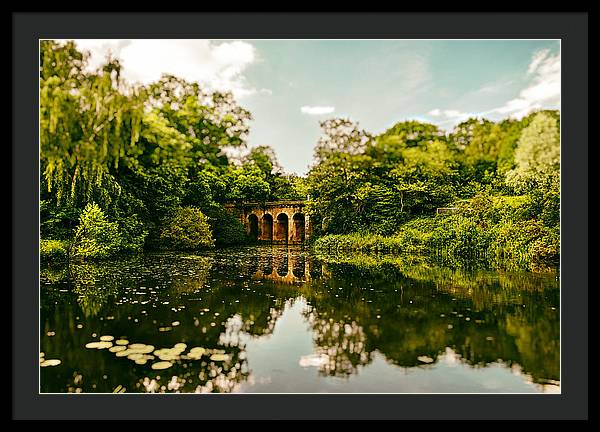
<point>88,121</point>
<point>188,229</point>
<point>340,136</point>
<point>95,236</point>
<point>537,156</point>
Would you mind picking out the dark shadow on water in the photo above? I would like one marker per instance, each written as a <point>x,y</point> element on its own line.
<point>356,306</point>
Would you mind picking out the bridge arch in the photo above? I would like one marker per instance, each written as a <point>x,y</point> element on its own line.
<point>299,230</point>
<point>266,227</point>
<point>281,231</point>
<point>277,221</point>
<point>253,226</point>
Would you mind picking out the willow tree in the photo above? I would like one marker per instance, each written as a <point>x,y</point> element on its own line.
<point>537,156</point>
<point>89,121</point>
<point>537,167</point>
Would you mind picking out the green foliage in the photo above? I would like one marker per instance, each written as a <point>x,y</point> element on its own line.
<point>537,156</point>
<point>95,236</point>
<point>226,228</point>
<point>187,229</point>
<point>142,153</point>
<point>57,222</point>
<point>133,233</point>
<point>87,124</point>
<point>250,183</point>
<point>380,182</point>
<point>139,152</point>
<point>381,194</point>
<point>476,237</point>
<point>53,250</point>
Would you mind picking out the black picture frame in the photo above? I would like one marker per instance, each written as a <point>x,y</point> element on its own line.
<point>570,28</point>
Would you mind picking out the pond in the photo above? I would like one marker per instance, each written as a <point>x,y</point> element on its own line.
<point>280,319</point>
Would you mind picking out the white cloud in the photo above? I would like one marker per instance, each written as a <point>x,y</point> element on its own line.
<point>494,87</point>
<point>543,90</point>
<point>317,110</point>
<point>217,65</point>
<point>451,115</point>
<point>537,59</point>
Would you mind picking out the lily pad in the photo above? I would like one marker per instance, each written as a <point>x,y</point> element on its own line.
<point>219,357</point>
<point>162,365</point>
<point>141,348</point>
<point>50,362</point>
<point>99,345</point>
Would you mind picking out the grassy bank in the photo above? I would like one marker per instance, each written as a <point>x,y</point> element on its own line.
<point>53,250</point>
<point>460,240</point>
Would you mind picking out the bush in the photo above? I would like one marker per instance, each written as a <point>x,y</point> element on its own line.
<point>95,237</point>
<point>526,244</point>
<point>57,222</point>
<point>133,233</point>
<point>226,228</point>
<point>187,229</point>
<point>463,240</point>
<point>53,250</point>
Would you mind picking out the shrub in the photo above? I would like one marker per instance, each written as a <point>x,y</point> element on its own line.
<point>133,233</point>
<point>226,228</point>
<point>53,250</point>
<point>187,229</point>
<point>95,236</point>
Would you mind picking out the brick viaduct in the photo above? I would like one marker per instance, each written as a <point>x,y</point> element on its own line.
<point>276,222</point>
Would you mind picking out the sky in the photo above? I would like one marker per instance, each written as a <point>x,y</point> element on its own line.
<point>290,86</point>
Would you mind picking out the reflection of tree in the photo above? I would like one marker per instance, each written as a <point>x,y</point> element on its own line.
<point>193,277</point>
<point>407,314</point>
<point>356,308</point>
<point>94,286</point>
<point>343,344</point>
<point>199,376</point>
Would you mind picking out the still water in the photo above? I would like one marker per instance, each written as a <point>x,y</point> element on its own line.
<point>280,319</point>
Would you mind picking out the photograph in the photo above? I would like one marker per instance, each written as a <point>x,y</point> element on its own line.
<point>305,216</point>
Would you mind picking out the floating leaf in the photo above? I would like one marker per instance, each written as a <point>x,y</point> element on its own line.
<point>161,365</point>
<point>141,348</point>
<point>99,345</point>
<point>219,357</point>
<point>135,356</point>
<point>50,362</point>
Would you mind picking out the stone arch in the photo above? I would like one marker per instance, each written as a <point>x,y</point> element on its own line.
<point>298,267</point>
<point>267,227</point>
<point>283,266</point>
<point>299,231</point>
<point>253,226</point>
<point>280,233</point>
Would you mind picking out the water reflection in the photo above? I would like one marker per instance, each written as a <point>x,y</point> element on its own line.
<point>244,315</point>
<point>291,267</point>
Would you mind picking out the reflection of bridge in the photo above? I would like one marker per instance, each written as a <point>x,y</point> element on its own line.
<point>277,221</point>
<point>285,267</point>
